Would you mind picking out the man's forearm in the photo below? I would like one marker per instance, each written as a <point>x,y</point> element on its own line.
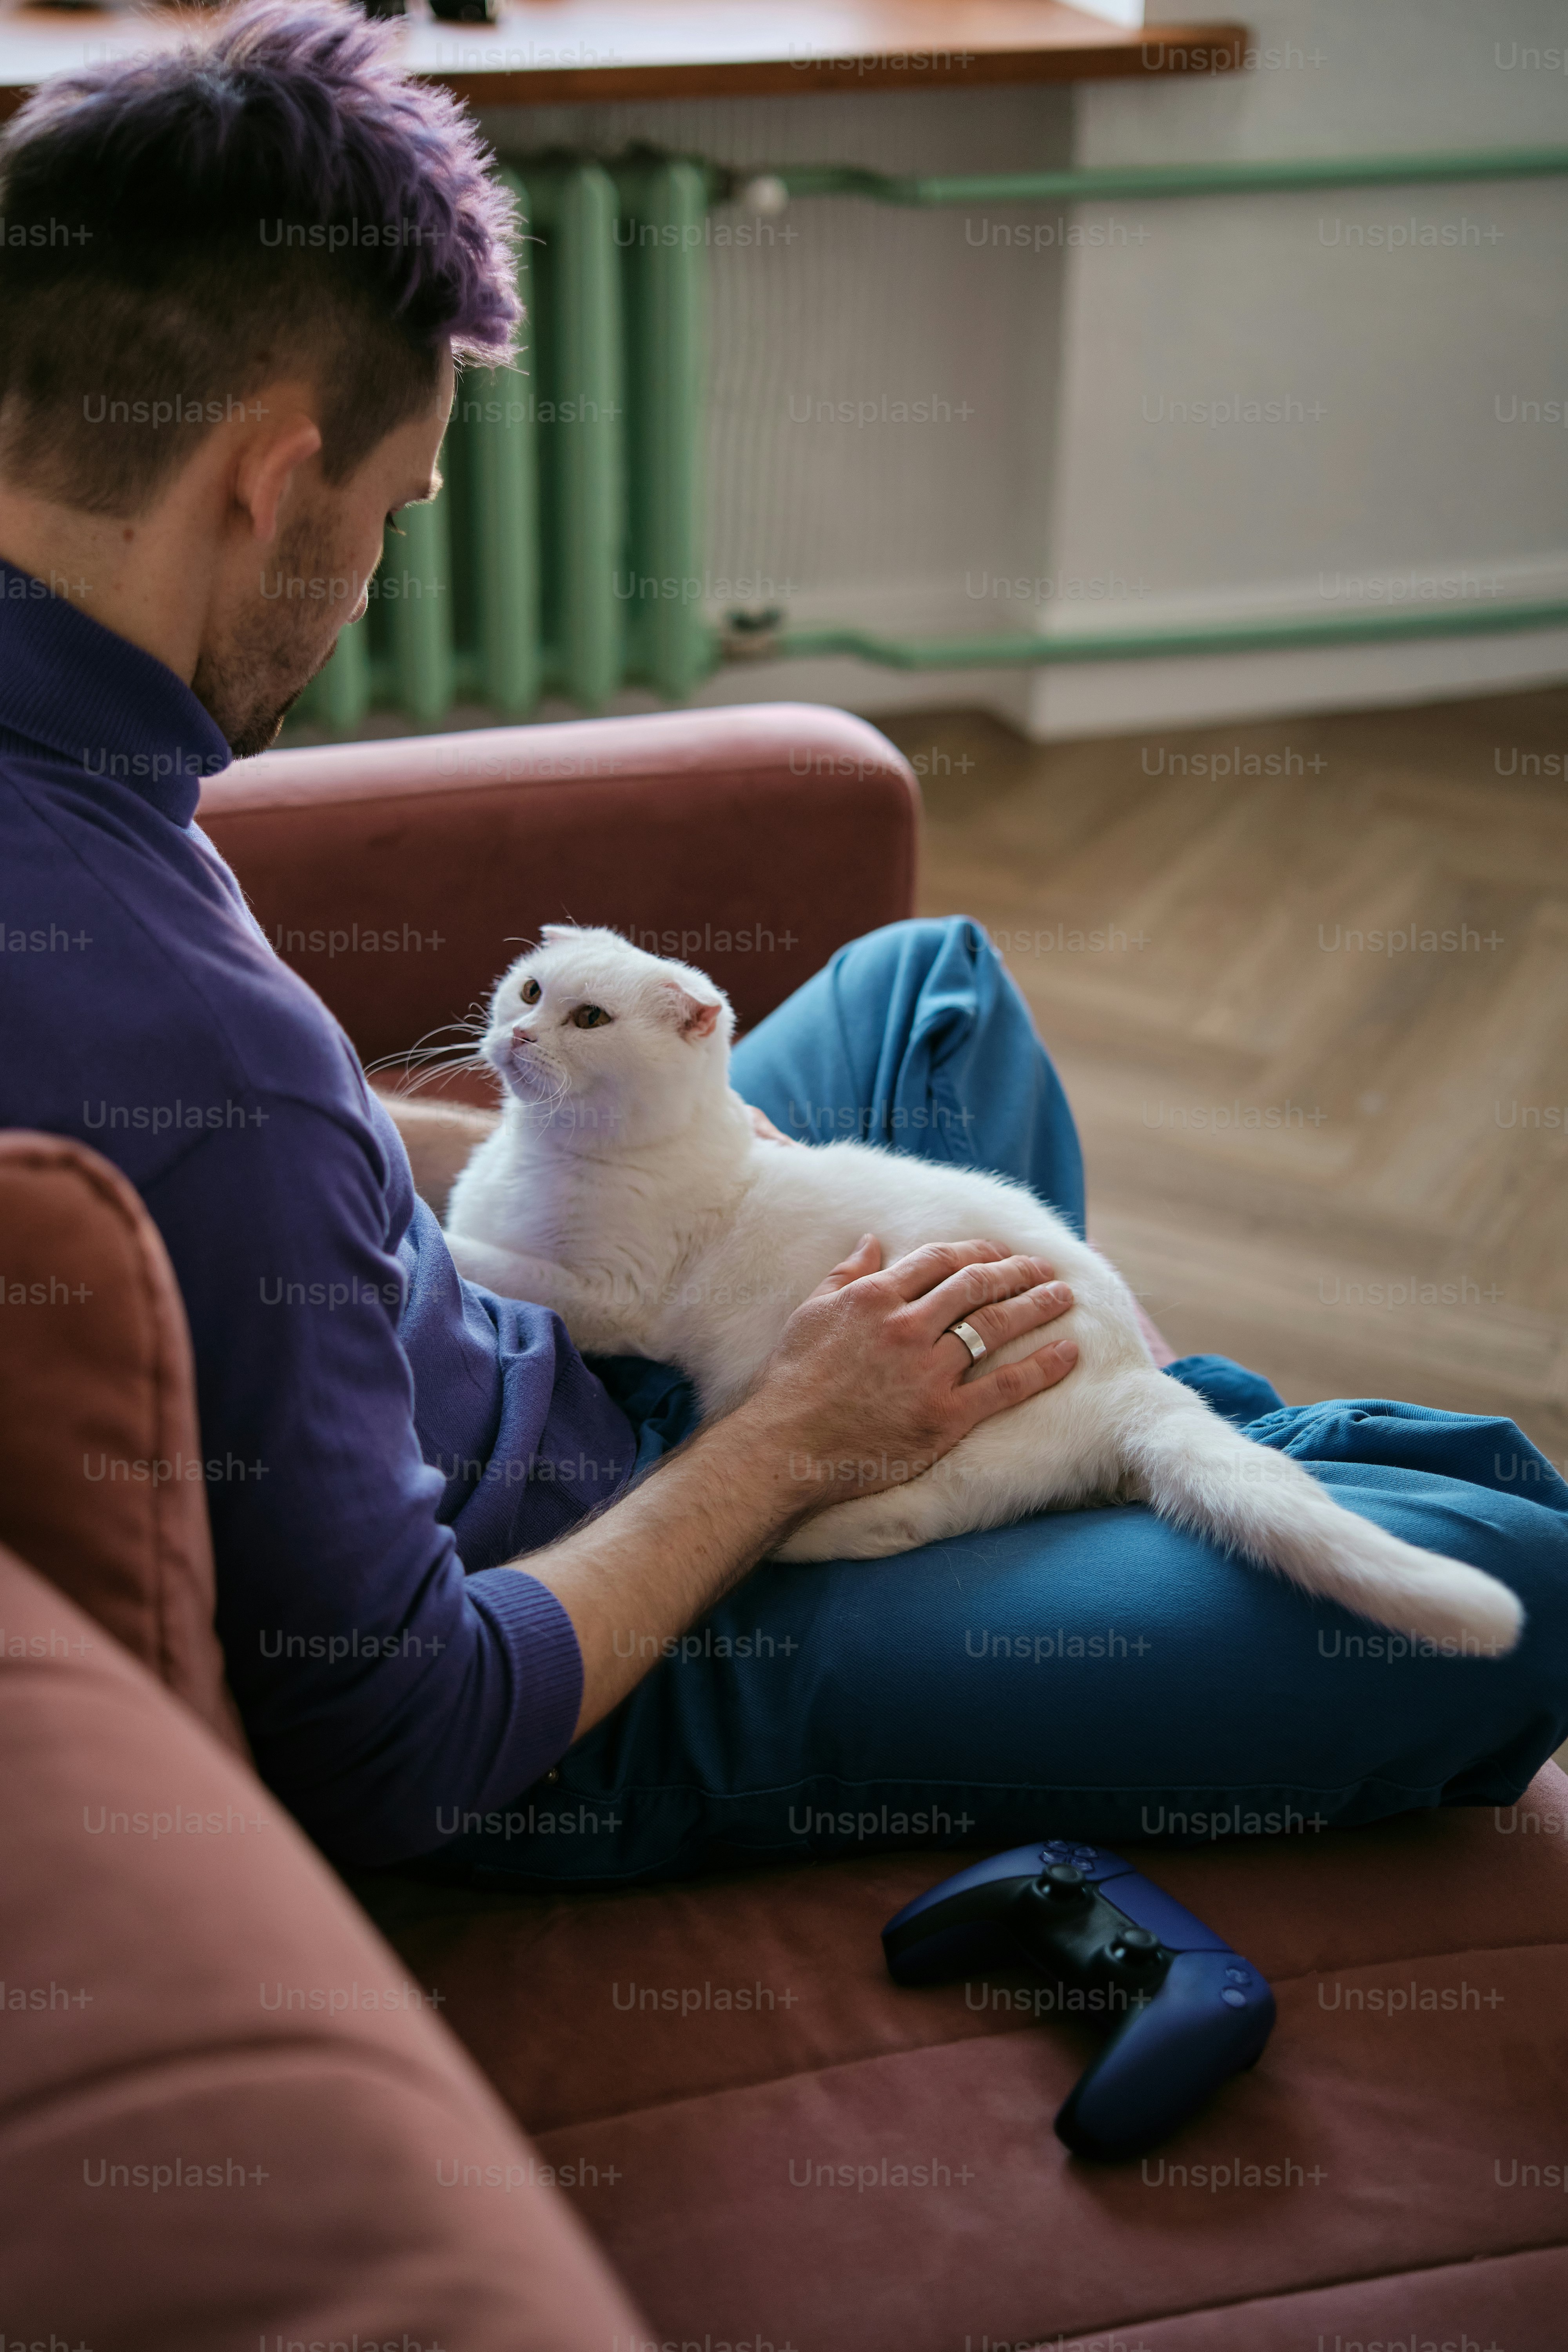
<point>870,1362</point>
<point>652,1565</point>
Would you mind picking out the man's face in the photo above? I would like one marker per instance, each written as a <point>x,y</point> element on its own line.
<point>282,605</point>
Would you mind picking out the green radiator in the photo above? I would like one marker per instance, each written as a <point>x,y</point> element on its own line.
<point>564,551</point>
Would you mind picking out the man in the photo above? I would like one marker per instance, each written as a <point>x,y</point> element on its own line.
<point>233,288</point>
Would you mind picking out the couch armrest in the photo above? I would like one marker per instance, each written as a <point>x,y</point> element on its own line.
<point>99,1441</point>
<point>375,2189</point>
<point>398,876</point>
<point>440,1137</point>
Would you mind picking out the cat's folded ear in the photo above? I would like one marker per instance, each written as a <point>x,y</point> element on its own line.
<point>694,1017</point>
<point>557,931</point>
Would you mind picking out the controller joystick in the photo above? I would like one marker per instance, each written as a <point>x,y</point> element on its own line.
<point>1136,1947</point>
<point>1062,1883</point>
<point>1186,2010</point>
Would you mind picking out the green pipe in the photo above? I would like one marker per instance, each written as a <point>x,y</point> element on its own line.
<point>1022,650</point>
<point>340,695</point>
<point>1145,645</point>
<point>499,414</point>
<point>1148,644</point>
<point>664,206</point>
<point>469,683</point>
<point>422,608</point>
<point>1100,184</point>
<point>589,452</point>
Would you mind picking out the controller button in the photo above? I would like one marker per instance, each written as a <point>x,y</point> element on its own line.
<point>1232,1999</point>
<point>1136,1947</point>
<point>1239,1976</point>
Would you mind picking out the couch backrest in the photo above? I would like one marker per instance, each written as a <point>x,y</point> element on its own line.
<point>100,1467</point>
<point>399,876</point>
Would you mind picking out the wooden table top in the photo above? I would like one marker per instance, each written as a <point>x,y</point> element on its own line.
<point>547,51</point>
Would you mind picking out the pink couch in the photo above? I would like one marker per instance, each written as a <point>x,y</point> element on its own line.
<point>227,2111</point>
<point>1392,2173</point>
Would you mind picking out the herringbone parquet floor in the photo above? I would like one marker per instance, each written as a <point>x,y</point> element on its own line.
<point>1306,984</point>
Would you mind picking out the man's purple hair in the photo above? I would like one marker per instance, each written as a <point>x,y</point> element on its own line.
<point>275,194</point>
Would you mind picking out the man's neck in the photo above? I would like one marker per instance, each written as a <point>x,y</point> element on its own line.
<point>136,577</point>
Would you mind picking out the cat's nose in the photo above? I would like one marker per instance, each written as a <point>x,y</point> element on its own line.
<point>521,1037</point>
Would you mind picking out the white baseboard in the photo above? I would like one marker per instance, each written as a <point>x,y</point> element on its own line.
<point>1129,697</point>
<point>1194,690</point>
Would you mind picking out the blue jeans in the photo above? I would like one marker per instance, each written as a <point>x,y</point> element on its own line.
<point>1095,1673</point>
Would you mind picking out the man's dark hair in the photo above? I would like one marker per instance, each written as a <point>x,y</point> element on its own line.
<point>273,198</point>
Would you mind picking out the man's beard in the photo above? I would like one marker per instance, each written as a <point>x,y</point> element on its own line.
<point>268,654</point>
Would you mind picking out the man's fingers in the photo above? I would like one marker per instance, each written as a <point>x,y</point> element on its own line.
<point>916,1275</point>
<point>1010,1384</point>
<point>865,1258</point>
<point>979,1284</point>
<point>1010,1318</point>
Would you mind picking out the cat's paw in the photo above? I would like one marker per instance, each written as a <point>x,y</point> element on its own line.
<point>833,1536</point>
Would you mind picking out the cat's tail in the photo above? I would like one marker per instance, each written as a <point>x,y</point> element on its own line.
<point>1197,1471</point>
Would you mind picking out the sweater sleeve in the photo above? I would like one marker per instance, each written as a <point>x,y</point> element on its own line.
<point>380,1687</point>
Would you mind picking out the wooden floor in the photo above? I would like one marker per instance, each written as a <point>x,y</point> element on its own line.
<point>1306,984</point>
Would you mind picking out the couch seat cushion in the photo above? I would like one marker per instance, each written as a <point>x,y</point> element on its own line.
<point>804,2155</point>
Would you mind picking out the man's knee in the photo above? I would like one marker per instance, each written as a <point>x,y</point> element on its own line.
<point>920,940</point>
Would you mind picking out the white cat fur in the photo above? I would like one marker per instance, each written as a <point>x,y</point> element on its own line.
<point>626,1188</point>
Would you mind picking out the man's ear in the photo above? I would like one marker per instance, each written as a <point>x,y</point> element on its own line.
<point>694,1017</point>
<point>267,464</point>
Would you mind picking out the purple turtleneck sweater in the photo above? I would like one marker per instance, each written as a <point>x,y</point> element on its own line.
<point>373,1427</point>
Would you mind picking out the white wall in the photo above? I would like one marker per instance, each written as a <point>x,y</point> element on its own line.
<point>1406,486</point>
<point>1068,476</point>
<point>888,525</point>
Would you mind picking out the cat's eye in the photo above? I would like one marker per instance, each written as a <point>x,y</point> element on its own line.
<point>589,1017</point>
<point>530,991</point>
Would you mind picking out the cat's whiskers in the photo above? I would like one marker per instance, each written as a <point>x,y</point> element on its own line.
<point>424,1063</point>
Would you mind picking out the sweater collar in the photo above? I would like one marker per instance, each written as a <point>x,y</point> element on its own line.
<point>76,688</point>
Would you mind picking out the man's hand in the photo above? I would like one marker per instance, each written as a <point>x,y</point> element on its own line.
<point>762,1125</point>
<point>869,1362</point>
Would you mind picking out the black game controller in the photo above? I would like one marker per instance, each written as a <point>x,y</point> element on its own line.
<point>1191,2011</point>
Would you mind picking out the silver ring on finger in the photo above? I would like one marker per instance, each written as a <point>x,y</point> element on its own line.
<point>970,1339</point>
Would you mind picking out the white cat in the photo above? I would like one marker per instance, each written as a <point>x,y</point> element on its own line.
<point>626,1188</point>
